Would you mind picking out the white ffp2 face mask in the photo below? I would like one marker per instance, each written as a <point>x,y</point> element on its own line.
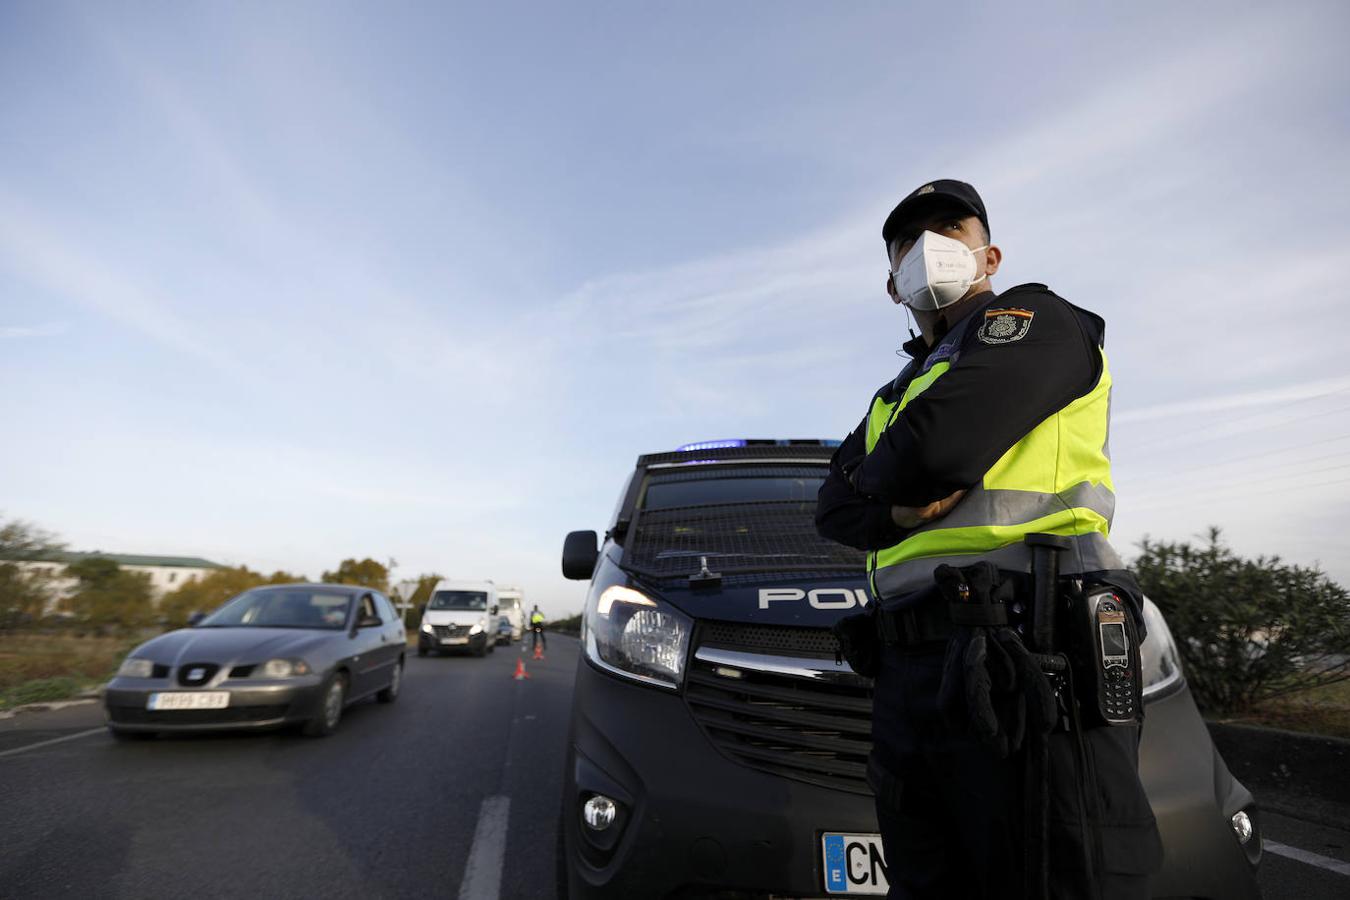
<point>936,272</point>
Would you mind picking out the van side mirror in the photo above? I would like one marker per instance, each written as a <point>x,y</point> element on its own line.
<point>580,551</point>
<point>494,609</point>
<point>195,619</point>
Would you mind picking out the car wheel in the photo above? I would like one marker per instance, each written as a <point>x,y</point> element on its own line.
<point>123,735</point>
<point>333,699</point>
<point>390,694</point>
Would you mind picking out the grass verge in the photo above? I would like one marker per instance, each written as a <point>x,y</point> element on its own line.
<point>1324,710</point>
<point>36,667</point>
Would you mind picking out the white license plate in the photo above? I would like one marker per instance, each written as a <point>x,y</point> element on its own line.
<point>189,700</point>
<point>854,864</point>
<point>454,640</point>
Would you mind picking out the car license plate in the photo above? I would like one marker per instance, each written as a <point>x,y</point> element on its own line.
<point>454,640</point>
<point>189,700</point>
<point>854,864</point>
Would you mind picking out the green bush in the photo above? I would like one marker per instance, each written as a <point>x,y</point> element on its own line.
<point>570,625</point>
<point>1248,630</point>
<point>108,595</point>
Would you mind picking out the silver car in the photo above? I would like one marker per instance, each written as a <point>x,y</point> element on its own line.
<point>272,656</point>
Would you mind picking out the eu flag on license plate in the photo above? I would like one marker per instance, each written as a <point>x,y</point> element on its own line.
<point>836,874</point>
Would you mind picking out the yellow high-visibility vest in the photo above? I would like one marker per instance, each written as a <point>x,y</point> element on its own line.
<point>1056,480</point>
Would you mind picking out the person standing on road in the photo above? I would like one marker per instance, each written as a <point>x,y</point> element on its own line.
<point>996,429</point>
<point>538,642</point>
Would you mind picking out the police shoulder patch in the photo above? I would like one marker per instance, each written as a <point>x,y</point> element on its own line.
<point>1003,326</point>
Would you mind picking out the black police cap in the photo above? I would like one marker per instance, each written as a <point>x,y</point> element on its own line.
<point>944,191</point>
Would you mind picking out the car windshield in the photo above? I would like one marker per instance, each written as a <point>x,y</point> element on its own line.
<point>458,600</point>
<point>740,519</point>
<point>283,608</point>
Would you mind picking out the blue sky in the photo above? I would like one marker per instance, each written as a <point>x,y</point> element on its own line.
<point>284,283</point>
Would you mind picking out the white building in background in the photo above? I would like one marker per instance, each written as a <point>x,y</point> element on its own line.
<point>167,573</point>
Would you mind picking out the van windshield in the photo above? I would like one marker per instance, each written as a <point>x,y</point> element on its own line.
<point>741,519</point>
<point>738,489</point>
<point>458,600</point>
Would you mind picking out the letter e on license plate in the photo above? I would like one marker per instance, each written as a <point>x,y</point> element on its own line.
<point>854,864</point>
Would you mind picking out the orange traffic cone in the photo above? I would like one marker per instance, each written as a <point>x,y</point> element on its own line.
<point>538,651</point>
<point>521,674</point>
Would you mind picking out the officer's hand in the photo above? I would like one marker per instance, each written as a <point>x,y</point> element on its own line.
<point>914,516</point>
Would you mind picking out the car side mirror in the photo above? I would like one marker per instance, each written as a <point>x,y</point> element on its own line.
<point>370,622</point>
<point>195,619</point>
<point>580,551</point>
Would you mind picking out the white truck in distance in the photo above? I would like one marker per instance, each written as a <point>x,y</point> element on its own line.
<point>511,602</point>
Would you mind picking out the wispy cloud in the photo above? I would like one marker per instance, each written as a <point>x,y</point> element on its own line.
<point>1308,390</point>
<point>35,249</point>
<point>51,329</point>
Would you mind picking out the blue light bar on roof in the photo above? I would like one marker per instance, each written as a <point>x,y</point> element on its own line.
<point>711,445</point>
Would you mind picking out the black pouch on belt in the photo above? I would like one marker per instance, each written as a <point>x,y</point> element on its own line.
<point>857,636</point>
<point>991,684</point>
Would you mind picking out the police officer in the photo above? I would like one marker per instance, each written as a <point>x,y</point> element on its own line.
<point>996,429</point>
<point>538,643</point>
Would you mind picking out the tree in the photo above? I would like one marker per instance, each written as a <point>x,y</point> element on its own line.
<point>367,573</point>
<point>207,593</point>
<point>24,593</point>
<point>20,541</point>
<point>109,595</point>
<point>1248,630</point>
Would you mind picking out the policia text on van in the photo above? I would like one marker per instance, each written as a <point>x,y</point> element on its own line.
<point>718,746</point>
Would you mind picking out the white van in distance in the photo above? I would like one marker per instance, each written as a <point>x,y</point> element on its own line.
<point>460,616</point>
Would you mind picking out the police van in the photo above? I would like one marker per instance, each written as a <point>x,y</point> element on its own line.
<point>718,741</point>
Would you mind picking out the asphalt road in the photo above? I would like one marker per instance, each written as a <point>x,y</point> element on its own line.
<point>386,807</point>
<point>450,791</point>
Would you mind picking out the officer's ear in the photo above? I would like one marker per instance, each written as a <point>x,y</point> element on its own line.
<point>992,257</point>
<point>890,288</point>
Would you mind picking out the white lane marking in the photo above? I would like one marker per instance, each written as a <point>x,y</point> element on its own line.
<point>69,737</point>
<point>483,873</point>
<point>1306,856</point>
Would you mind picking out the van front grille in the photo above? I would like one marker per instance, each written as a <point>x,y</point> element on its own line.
<point>786,639</point>
<point>798,717</point>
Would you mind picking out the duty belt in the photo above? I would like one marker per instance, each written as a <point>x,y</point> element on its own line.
<point>932,620</point>
<point>922,623</point>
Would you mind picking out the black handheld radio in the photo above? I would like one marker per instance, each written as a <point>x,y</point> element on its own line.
<point>1112,666</point>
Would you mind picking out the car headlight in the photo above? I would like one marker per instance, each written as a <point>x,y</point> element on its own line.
<point>136,668</point>
<point>426,626</point>
<point>284,668</point>
<point>1159,660</point>
<point>477,627</point>
<point>633,635</point>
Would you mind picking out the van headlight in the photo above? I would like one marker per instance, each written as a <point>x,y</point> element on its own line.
<point>636,636</point>
<point>1159,660</point>
<point>426,626</point>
